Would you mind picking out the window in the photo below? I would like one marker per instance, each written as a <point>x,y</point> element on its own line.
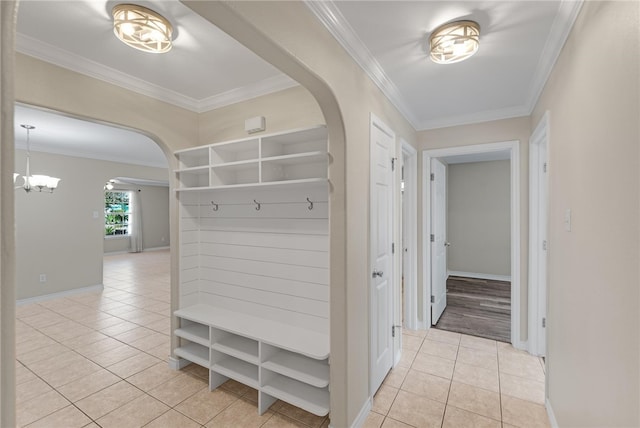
<point>117,213</point>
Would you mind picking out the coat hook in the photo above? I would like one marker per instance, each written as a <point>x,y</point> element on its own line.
<point>310,207</point>
<point>258,205</point>
<point>214,206</point>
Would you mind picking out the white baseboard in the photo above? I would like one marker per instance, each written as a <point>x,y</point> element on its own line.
<point>81,290</point>
<point>479,275</point>
<point>552,416</point>
<point>521,345</point>
<point>178,363</point>
<point>167,247</point>
<point>362,415</point>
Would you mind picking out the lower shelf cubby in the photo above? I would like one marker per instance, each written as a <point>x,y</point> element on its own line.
<point>307,397</point>
<point>238,370</point>
<point>195,353</point>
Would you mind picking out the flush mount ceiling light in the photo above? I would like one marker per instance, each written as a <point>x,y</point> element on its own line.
<point>142,28</point>
<point>454,42</point>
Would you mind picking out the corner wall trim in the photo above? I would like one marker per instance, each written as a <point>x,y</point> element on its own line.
<point>479,275</point>
<point>81,290</point>
<point>552,416</point>
<point>362,415</point>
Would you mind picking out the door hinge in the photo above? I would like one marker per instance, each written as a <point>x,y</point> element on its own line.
<point>544,245</point>
<point>393,331</point>
<point>393,248</point>
<point>544,322</point>
<point>402,173</point>
<point>433,238</point>
<point>544,167</point>
<point>393,164</point>
<point>433,299</point>
<point>433,176</point>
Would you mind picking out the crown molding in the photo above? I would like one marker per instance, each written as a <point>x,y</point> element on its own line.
<point>79,64</point>
<point>333,20</point>
<point>88,155</point>
<point>568,11</point>
<point>264,87</point>
<point>469,119</point>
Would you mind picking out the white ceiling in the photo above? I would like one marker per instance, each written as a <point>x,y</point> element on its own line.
<point>206,69</point>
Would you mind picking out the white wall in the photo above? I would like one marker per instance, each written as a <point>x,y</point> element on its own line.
<point>593,328</point>
<point>154,202</point>
<point>478,217</point>
<point>57,234</point>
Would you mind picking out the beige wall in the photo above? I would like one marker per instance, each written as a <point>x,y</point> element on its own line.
<point>155,219</point>
<point>517,129</point>
<point>478,217</point>
<point>57,234</point>
<point>593,315</point>
<point>285,110</point>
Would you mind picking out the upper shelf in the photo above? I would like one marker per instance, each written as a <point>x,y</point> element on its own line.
<point>297,156</point>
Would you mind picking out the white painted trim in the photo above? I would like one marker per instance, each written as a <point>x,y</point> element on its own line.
<point>178,363</point>
<point>552,417</point>
<point>63,58</point>
<point>44,297</point>
<point>114,253</point>
<point>166,247</point>
<point>514,149</point>
<point>362,414</point>
<point>375,121</point>
<point>331,17</point>
<point>479,275</point>
<point>560,29</point>
<point>410,220</point>
<point>537,266</point>
<point>333,20</point>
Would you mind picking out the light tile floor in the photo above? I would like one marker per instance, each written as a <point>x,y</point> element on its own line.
<point>100,360</point>
<point>453,380</point>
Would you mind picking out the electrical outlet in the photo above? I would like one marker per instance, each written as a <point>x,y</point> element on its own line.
<point>43,277</point>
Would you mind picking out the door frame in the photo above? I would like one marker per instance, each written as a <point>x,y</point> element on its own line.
<point>409,234</point>
<point>397,341</point>
<point>538,256</point>
<point>514,153</point>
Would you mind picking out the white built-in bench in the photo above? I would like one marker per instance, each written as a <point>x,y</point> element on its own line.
<point>281,361</point>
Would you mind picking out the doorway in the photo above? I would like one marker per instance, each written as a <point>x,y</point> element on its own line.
<point>484,152</point>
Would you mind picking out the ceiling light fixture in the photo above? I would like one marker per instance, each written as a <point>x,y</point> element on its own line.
<point>142,28</point>
<point>454,42</point>
<point>35,182</point>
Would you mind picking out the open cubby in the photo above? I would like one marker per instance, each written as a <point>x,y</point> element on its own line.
<point>281,361</point>
<point>235,151</point>
<point>269,159</point>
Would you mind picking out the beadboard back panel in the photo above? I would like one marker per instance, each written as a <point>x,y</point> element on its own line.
<point>261,251</point>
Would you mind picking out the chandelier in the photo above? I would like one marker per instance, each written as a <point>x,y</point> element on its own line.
<point>35,182</point>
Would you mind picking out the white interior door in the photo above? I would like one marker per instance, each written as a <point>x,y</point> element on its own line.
<point>381,227</point>
<point>538,244</point>
<point>439,242</point>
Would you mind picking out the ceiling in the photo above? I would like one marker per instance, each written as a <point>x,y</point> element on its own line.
<point>206,69</point>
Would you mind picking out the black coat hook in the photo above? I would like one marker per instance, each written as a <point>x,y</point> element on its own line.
<point>310,207</point>
<point>258,205</point>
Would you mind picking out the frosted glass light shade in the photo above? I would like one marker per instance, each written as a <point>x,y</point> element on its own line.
<point>454,42</point>
<point>15,176</point>
<point>142,28</point>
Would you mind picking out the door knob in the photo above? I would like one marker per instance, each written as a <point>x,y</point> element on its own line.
<point>377,273</point>
<point>447,244</point>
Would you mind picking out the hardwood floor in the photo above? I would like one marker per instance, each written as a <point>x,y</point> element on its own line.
<point>478,307</point>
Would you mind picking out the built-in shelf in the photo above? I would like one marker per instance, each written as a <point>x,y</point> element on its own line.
<point>296,366</point>
<point>284,157</point>
<point>195,332</point>
<point>239,347</point>
<point>309,398</point>
<point>239,370</point>
<point>280,360</point>
<point>195,353</point>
